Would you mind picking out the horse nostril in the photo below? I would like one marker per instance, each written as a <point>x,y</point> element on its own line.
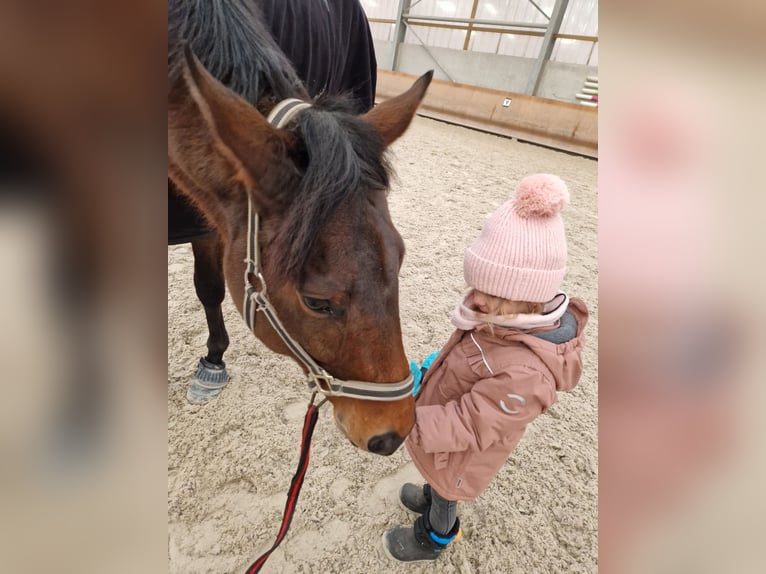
<point>384,444</point>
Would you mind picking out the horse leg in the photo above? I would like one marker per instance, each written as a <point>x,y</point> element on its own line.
<point>211,376</point>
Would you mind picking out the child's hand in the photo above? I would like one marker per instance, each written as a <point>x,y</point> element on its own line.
<point>429,360</point>
<point>419,372</point>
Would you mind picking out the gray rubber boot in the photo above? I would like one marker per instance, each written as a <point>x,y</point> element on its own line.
<point>415,498</point>
<point>418,543</point>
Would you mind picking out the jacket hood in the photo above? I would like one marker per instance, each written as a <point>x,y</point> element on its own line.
<point>558,347</point>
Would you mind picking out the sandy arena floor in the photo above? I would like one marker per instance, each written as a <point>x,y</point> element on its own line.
<point>230,462</point>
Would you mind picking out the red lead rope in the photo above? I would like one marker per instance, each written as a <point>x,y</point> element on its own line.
<point>309,422</point>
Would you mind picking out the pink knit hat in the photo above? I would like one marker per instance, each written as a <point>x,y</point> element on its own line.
<point>521,253</point>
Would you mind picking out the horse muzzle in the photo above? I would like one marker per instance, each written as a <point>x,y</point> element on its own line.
<point>385,444</point>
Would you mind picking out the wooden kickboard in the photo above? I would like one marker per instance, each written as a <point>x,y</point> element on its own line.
<point>561,125</point>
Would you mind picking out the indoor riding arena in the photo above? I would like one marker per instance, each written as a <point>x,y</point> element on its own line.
<point>230,461</point>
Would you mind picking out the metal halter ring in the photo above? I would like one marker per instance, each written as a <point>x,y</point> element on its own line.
<point>323,383</point>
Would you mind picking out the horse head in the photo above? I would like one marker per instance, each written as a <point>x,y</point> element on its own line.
<point>330,253</point>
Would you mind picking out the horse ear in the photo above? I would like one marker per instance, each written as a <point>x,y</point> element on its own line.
<point>216,139</point>
<point>393,117</point>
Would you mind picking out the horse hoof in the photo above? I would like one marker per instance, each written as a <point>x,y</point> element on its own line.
<point>208,382</point>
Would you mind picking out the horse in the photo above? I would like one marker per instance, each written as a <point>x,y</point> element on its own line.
<point>300,214</point>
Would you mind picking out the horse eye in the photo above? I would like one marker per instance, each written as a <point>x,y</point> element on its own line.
<point>318,305</point>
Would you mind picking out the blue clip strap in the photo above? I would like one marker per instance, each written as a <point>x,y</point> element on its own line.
<point>417,375</point>
<point>443,540</point>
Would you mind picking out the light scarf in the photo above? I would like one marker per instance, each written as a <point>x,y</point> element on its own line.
<point>466,318</point>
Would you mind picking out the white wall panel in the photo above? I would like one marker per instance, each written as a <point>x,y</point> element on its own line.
<point>448,8</point>
<point>380,8</point>
<point>581,18</point>
<point>514,45</point>
<point>484,42</point>
<point>593,61</point>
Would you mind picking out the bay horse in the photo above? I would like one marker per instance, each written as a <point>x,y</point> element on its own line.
<point>324,241</point>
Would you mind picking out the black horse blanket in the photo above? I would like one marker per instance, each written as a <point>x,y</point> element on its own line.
<point>330,45</point>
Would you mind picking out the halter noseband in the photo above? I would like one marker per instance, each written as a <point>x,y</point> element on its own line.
<point>257,300</point>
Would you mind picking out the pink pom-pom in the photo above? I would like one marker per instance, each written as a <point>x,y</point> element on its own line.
<point>540,195</point>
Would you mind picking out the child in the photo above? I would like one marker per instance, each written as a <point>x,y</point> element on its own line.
<point>518,341</point>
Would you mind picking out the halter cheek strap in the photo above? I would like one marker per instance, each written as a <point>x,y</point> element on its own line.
<point>257,300</point>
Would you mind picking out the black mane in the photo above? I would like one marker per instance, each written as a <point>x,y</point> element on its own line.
<point>345,155</point>
<point>346,160</point>
<point>231,40</point>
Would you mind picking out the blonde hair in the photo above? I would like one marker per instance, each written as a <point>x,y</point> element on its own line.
<point>501,309</point>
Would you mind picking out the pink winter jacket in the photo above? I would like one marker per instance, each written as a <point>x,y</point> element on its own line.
<point>478,397</point>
